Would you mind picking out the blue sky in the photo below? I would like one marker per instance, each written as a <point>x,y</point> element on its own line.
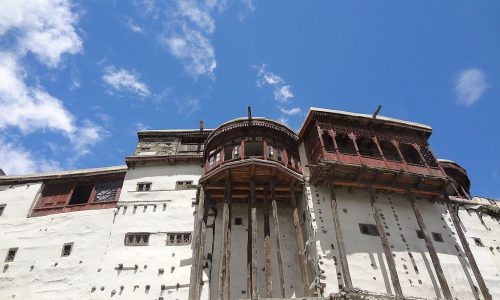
<point>79,78</point>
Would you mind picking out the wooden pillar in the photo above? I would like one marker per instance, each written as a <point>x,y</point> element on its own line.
<point>249,247</point>
<point>253,230</point>
<point>223,262</point>
<point>385,245</point>
<point>430,247</point>
<point>267,248</point>
<point>340,240</point>
<point>300,244</point>
<point>199,247</point>
<point>470,257</point>
<point>277,234</point>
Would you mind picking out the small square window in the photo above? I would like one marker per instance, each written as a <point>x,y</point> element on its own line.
<point>2,208</point>
<point>478,242</point>
<point>11,254</point>
<point>368,229</point>
<point>144,187</point>
<point>437,237</point>
<point>184,185</point>
<point>178,238</point>
<point>136,239</point>
<point>66,250</point>
<point>420,234</point>
<point>238,221</point>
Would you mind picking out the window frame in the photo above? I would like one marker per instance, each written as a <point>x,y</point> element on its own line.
<point>63,252</point>
<point>146,184</point>
<point>136,242</point>
<point>371,229</point>
<point>173,238</point>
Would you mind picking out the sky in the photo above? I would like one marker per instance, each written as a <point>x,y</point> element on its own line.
<point>78,79</point>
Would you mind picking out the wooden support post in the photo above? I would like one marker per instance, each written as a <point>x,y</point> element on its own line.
<point>227,282</point>
<point>300,245</point>
<point>385,245</point>
<point>277,234</point>
<point>199,247</point>
<point>249,247</point>
<point>267,248</point>
<point>470,257</point>
<point>223,266</point>
<point>340,240</point>
<point>430,247</point>
<point>253,213</point>
<point>196,245</point>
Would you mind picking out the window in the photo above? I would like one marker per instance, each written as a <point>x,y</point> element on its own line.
<point>11,254</point>
<point>236,151</point>
<point>328,142</point>
<point>345,143</point>
<point>136,239</point>
<point>437,237</point>
<point>420,234</point>
<point>106,191</point>
<point>410,154</point>
<point>390,151</point>
<point>271,152</point>
<point>211,161</point>
<point>184,185</point>
<point>2,208</point>
<point>81,194</point>
<point>279,155</point>
<point>217,158</point>
<point>66,250</point>
<point>178,238</point>
<point>429,158</point>
<point>144,187</point>
<point>238,221</point>
<point>255,149</point>
<point>228,153</point>
<point>367,147</point>
<point>478,242</point>
<point>368,229</point>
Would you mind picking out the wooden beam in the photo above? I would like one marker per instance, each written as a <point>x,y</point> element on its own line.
<point>385,245</point>
<point>470,257</point>
<point>401,190</point>
<point>340,240</point>
<point>300,245</point>
<point>267,249</point>
<point>277,235</point>
<point>197,258</point>
<point>254,239</point>
<point>430,247</point>
<point>223,266</point>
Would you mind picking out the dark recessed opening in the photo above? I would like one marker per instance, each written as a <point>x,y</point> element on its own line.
<point>81,194</point>
<point>328,141</point>
<point>254,148</point>
<point>420,235</point>
<point>238,221</point>
<point>368,229</point>
<point>345,143</point>
<point>410,154</point>
<point>11,254</point>
<point>437,237</point>
<point>478,242</point>
<point>389,150</point>
<point>66,250</point>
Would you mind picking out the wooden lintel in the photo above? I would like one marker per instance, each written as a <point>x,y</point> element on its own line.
<point>401,190</point>
<point>241,187</point>
<point>430,247</point>
<point>300,245</point>
<point>385,245</point>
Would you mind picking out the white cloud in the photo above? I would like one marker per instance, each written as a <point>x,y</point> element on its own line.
<point>283,94</point>
<point>470,86</point>
<point>122,80</point>
<point>290,112</point>
<point>86,136</point>
<point>134,27</point>
<point>44,27</point>
<point>26,107</point>
<point>14,160</point>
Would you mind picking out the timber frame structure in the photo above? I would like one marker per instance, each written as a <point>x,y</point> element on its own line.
<point>256,160</point>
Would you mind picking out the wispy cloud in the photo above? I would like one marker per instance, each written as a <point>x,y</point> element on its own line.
<point>47,29</point>
<point>282,92</point>
<point>122,80</point>
<point>247,8</point>
<point>290,112</point>
<point>15,159</point>
<point>134,27</point>
<point>189,28</point>
<point>470,85</point>
<point>187,106</point>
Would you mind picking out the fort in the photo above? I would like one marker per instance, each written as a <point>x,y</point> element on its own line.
<point>351,206</point>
